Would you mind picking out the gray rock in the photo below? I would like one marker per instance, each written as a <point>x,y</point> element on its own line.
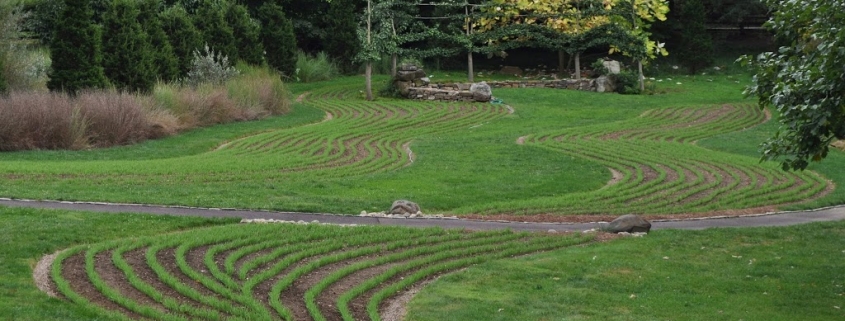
<point>406,75</point>
<point>613,66</point>
<point>481,91</point>
<point>628,223</point>
<point>604,84</point>
<point>403,87</point>
<point>408,67</point>
<point>404,207</point>
<point>425,81</point>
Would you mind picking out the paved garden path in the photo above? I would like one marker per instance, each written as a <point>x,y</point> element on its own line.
<point>777,219</point>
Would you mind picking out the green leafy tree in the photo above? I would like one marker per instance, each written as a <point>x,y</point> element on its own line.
<point>695,48</point>
<point>165,62</point>
<point>75,50</point>
<point>278,38</point>
<point>128,57</point>
<point>341,42</point>
<point>210,19</point>
<point>246,31</point>
<point>804,80</point>
<point>184,37</point>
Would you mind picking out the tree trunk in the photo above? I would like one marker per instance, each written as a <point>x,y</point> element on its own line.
<point>561,62</point>
<point>578,65</point>
<point>393,65</point>
<point>368,74</point>
<point>470,71</point>
<point>642,77</point>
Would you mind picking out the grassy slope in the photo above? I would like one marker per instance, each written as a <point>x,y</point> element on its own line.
<point>748,142</point>
<point>477,165</point>
<point>29,234</point>
<point>784,273</point>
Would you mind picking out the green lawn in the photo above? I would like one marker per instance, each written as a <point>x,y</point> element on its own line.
<point>782,273</point>
<point>466,157</point>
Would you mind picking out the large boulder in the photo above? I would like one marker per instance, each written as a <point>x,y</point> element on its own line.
<point>403,87</point>
<point>628,223</point>
<point>605,84</point>
<point>613,66</point>
<point>406,75</point>
<point>481,91</point>
<point>404,207</point>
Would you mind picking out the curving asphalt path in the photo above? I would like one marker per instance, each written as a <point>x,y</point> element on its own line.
<point>775,219</point>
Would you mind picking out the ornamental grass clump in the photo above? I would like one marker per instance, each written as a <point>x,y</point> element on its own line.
<point>40,121</point>
<point>104,118</point>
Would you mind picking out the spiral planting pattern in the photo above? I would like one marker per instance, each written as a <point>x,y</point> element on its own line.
<point>275,271</point>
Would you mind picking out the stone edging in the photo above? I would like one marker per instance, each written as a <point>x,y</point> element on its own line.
<point>460,91</point>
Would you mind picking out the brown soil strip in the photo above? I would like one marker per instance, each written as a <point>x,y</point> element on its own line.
<point>294,295</point>
<point>301,96</point>
<point>167,258</point>
<point>115,279</point>
<point>328,298</point>
<point>73,270</point>
<point>196,259</point>
<point>358,305</point>
<point>249,257</point>
<point>41,275</point>
<point>650,174</point>
<point>521,140</point>
<point>138,261</point>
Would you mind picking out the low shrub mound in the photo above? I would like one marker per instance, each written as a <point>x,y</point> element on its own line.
<point>39,120</point>
<point>276,271</point>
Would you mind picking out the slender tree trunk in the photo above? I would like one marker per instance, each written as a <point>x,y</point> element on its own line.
<point>578,65</point>
<point>561,62</point>
<point>470,72</point>
<point>368,74</point>
<point>393,59</point>
<point>641,76</point>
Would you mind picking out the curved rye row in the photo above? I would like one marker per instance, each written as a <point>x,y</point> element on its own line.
<point>198,274</point>
<point>664,172</point>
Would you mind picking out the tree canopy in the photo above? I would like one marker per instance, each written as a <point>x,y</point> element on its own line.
<point>804,80</point>
<point>75,50</point>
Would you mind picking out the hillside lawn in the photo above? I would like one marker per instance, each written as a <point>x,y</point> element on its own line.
<point>467,163</point>
<point>783,273</point>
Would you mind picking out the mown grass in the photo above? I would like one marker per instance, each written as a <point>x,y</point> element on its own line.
<point>466,161</point>
<point>783,273</point>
